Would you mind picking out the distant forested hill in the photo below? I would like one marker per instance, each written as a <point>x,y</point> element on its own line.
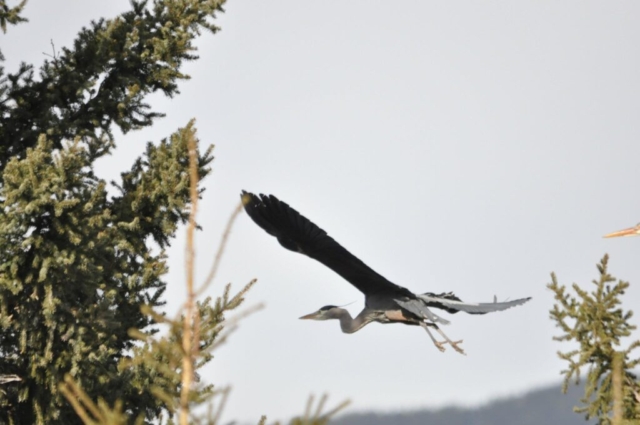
<point>547,406</point>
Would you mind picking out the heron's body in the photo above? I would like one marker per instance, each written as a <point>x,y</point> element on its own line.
<point>385,302</point>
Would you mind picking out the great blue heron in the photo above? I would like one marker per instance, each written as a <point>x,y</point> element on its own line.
<point>631,231</point>
<point>385,302</point>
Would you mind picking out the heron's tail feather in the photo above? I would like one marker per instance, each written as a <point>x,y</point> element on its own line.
<point>419,308</point>
<point>453,304</point>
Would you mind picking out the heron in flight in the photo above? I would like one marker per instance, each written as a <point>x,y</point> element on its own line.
<point>631,231</point>
<point>385,302</point>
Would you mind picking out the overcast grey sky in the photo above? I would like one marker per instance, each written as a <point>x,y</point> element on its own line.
<point>453,146</point>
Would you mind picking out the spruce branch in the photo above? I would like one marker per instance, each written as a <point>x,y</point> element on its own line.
<point>11,15</point>
<point>104,79</point>
<point>170,362</point>
<point>319,417</point>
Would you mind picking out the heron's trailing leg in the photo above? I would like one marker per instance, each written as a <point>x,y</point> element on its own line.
<point>454,344</point>
<point>439,345</point>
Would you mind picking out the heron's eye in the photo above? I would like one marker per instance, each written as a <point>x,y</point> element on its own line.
<point>327,307</point>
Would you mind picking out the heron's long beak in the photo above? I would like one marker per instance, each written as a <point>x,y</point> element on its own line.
<point>309,316</point>
<point>631,231</point>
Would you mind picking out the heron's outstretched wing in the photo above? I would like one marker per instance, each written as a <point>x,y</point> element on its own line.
<point>297,233</point>
<point>452,304</point>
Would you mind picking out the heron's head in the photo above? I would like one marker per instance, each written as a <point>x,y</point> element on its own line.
<point>325,313</point>
<point>631,231</point>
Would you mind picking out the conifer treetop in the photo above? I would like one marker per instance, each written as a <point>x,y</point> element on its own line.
<point>596,322</point>
<point>104,78</point>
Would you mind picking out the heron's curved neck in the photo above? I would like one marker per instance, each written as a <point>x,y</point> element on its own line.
<point>348,324</point>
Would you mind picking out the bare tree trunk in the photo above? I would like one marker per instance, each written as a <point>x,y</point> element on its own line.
<point>189,332</point>
<point>616,383</point>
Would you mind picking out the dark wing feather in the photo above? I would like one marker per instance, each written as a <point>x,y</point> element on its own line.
<point>297,233</point>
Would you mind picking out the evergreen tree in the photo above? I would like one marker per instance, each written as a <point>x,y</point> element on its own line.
<point>76,265</point>
<point>595,321</point>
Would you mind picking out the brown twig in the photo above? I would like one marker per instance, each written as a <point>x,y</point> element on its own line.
<point>85,408</point>
<point>321,404</point>
<point>232,325</point>
<point>223,402</point>
<point>336,409</point>
<point>307,410</point>
<point>223,243</point>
